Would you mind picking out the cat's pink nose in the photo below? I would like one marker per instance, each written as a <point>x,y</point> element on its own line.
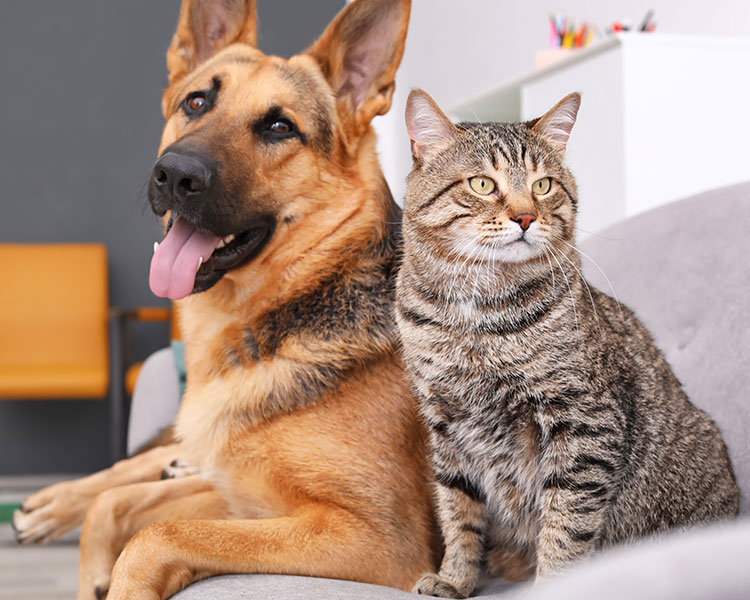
<point>524,220</point>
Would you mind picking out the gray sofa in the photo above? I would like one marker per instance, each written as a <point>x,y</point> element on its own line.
<point>682,268</point>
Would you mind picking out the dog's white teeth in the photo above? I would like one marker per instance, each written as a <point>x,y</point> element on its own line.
<point>156,245</point>
<point>200,262</point>
<point>224,241</point>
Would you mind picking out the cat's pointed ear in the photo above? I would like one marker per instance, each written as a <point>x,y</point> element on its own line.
<point>556,125</point>
<point>428,127</point>
<point>204,28</point>
<point>359,54</point>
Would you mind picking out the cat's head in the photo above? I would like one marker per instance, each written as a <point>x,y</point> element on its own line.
<point>490,192</point>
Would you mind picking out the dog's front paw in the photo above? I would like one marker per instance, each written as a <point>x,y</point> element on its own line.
<point>49,513</point>
<point>178,468</point>
<point>432,584</point>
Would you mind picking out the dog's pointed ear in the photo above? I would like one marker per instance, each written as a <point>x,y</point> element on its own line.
<point>428,126</point>
<point>206,27</point>
<point>360,52</point>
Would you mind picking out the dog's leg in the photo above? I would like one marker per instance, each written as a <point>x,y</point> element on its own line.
<point>51,512</point>
<point>119,513</point>
<point>319,541</point>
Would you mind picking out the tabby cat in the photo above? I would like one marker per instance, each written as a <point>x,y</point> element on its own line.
<point>556,425</point>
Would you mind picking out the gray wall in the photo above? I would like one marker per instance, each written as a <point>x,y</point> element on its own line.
<point>79,127</point>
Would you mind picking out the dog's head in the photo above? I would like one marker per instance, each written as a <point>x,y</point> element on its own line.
<point>254,145</point>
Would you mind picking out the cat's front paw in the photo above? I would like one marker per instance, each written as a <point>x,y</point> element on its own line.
<point>432,584</point>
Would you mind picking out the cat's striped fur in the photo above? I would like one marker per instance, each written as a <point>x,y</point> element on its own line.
<point>557,427</point>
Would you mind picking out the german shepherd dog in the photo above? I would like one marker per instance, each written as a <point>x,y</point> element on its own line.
<point>281,241</point>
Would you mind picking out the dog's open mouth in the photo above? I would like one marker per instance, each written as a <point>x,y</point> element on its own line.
<point>191,260</point>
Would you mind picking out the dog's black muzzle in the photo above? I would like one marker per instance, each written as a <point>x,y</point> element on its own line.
<point>188,183</point>
<point>183,181</point>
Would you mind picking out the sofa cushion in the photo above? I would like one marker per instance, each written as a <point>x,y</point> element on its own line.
<point>284,587</point>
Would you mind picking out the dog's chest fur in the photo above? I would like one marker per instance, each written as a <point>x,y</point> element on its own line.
<point>247,375</point>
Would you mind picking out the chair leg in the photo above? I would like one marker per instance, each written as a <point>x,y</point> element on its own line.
<point>118,425</point>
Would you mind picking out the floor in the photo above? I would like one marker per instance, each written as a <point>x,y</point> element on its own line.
<point>48,572</point>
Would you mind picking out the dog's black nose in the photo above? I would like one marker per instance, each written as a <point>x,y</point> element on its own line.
<point>176,179</point>
<point>181,174</point>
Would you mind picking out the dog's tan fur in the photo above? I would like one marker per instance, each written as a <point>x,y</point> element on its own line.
<point>306,436</point>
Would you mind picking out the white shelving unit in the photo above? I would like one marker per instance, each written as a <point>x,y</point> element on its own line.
<point>662,117</point>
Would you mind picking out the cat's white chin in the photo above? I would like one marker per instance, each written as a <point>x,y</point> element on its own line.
<point>475,254</point>
<point>515,252</point>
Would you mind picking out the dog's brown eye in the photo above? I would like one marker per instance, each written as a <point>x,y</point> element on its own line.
<point>281,127</point>
<point>272,128</point>
<point>196,102</point>
<point>199,102</point>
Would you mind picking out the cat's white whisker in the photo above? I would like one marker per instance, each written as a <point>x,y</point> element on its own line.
<point>570,291</point>
<point>478,258</point>
<point>545,249</point>
<point>609,283</point>
<point>588,289</point>
<point>601,237</point>
<point>466,272</point>
<point>472,111</point>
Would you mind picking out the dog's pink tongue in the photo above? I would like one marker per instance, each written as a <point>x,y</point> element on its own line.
<point>175,261</point>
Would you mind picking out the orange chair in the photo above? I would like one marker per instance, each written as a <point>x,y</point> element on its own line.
<point>59,338</point>
<point>54,311</point>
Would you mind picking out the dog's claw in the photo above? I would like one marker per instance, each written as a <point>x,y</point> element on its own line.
<point>178,468</point>
<point>17,533</point>
<point>100,592</point>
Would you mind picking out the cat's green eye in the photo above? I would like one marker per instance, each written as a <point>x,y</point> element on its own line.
<point>482,185</point>
<point>541,186</point>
